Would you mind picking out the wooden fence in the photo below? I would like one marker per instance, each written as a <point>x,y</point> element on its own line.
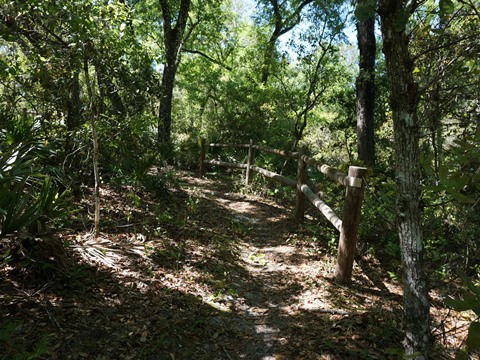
<point>354,183</point>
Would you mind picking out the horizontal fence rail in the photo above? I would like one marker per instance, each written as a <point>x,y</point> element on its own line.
<point>324,208</point>
<point>226,164</point>
<point>286,154</point>
<point>272,175</point>
<point>354,183</point>
<point>231,146</point>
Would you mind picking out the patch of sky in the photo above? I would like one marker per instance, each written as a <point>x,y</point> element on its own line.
<point>247,9</point>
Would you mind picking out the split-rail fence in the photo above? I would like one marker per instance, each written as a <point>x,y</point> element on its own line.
<point>354,182</point>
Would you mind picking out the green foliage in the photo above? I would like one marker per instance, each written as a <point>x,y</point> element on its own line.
<point>453,183</point>
<point>378,231</point>
<point>12,347</point>
<point>447,7</point>
<point>26,195</point>
<point>15,209</point>
<point>332,242</point>
<point>187,150</point>
<point>121,158</point>
<point>365,9</point>
<point>20,206</point>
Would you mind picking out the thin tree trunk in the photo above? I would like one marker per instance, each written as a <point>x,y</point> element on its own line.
<point>436,133</point>
<point>73,110</point>
<point>403,102</point>
<point>93,116</point>
<point>366,90</point>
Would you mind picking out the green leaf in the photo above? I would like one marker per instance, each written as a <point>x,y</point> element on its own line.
<point>468,283</point>
<point>457,305</point>
<point>41,347</point>
<point>459,179</point>
<point>473,338</point>
<point>459,196</point>
<point>6,329</point>
<point>447,7</point>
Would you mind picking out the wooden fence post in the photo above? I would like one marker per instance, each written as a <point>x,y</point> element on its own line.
<point>301,179</point>
<point>203,151</point>
<point>350,223</point>
<point>250,160</point>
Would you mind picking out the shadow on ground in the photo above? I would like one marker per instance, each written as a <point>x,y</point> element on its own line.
<point>200,273</point>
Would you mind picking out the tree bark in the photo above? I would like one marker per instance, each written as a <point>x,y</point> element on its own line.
<point>96,173</point>
<point>165,114</point>
<point>173,41</point>
<point>73,118</point>
<point>366,91</point>
<point>347,243</point>
<point>403,102</point>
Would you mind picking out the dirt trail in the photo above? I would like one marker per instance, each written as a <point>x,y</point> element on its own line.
<point>283,283</point>
<point>284,304</point>
<point>271,293</point>
<point>201,272</point>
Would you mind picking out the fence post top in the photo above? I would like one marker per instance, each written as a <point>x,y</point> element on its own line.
<point>358,168</point>
<point>357,171</point>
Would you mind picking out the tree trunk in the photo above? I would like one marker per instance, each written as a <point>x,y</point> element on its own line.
<point>270,48</point>
<point>284,21</point>
<point>173,41</point>
<point>269,56</point>
<point>403,102</point>
<point>366,91</point>
<point>73,118</point>
<point>347,243</point>
<point>165,114</point>
<point>93,116</point>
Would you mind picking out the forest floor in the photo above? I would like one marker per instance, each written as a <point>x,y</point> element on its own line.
<point>199,271</point>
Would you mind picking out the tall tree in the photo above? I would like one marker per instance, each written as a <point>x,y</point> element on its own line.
<point>366,85</point>
<point>316,75</point>
<point>285,16</point>
<point>174,25</point>
<point>404,98</point>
